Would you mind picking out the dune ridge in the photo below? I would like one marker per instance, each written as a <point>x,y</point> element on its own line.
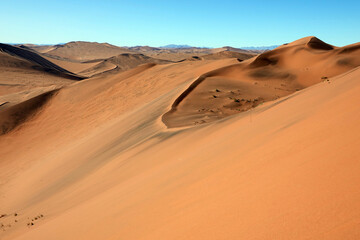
<point>13,116</point>
<point>221,55</point>
<point>18,75</point>
<point>192,53</point>
<point>266,77</point>
<point>86,51</point>
<point>39,60</point>
<point>121,62</point>
<point>94,159</point>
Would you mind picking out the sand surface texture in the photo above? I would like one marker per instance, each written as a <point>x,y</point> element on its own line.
<point>138,154</point>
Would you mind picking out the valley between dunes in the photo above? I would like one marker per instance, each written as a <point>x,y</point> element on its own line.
<point>265,147</point>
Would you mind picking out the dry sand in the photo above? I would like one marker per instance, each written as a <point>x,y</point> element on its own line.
<point>121,62</point>
<point>269,76</point>
<point>86,51</point>
<point>96,161</point>
<point>18,74</point>
<point>192,53</point>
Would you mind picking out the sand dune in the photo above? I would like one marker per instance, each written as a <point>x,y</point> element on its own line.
<point>241,56</point>
<point>89,51</point>
<point>72,66</point>
<point>35,58</point>
<point>18,74</point>
<point>121,62</point>
<point>267,77</point>
<point>86,51</point>
<point>238,50</point>
<point>37,48</point>
<point>96,161</point>
<point>12,114</point>
<point>181,54</point>
<point>27,81</point>
<point>221,55</point>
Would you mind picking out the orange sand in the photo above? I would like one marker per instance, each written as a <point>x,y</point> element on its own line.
<point>96,161</point>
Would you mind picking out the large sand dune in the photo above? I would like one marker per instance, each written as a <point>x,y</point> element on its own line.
<point>37,48</point>
<point>121,62</point>
<point>20,74</point>
<point>269,76</point>
<point>96,161</point>
<point>221,55</point>
<point>35,58</point>
<point>86,51</point>
<point>181,54</point>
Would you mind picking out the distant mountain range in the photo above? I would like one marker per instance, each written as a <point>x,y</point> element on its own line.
<point>177,46</point>
<point>261,48</point>
<point>174,46</point>
<point>246,48</point>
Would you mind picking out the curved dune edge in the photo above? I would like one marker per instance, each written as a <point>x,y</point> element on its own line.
<point>86,51</point>
<point>39,60</point>
<point>20,74</point>
<point>241,56</point>
<point>227,177</point>
<point>12,117</point>
<point>122,62</point>
<point>97,163</point>
<point>266,77</point>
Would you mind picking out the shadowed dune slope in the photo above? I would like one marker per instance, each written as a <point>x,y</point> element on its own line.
<point>72,66</point>
<point>35,58</point>
<point>99,163</point>
<point>267,77</point>
<point>14,115</point>
<point>78,108</point>
<point>18,74</point>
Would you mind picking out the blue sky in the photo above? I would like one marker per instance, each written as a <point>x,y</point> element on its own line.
<point>198,23</point>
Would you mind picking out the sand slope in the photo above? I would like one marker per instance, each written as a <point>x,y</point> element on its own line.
<point>111,169</point>
<point>267,77</point>
<point>86,51</point>
<point>18,74</point>
<point>221,55</point>
<point>121,62</point>
<point>14,112</point>
<point>181,54</point>
<point>72,66</point>
<point>27,81</point>
<point>86,105</point>
<point>37,59</point>
<point>37,48</point>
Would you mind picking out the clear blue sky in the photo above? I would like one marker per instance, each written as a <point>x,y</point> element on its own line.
<point>198,23</point>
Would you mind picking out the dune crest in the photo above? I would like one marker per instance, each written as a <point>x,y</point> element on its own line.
<point>121,62</point>
<point>266,77</point>
<point>38,60</point>
<point>13,116</point>
<point>93,159</point>
<point>86,51</point>
<point>241,56</point>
